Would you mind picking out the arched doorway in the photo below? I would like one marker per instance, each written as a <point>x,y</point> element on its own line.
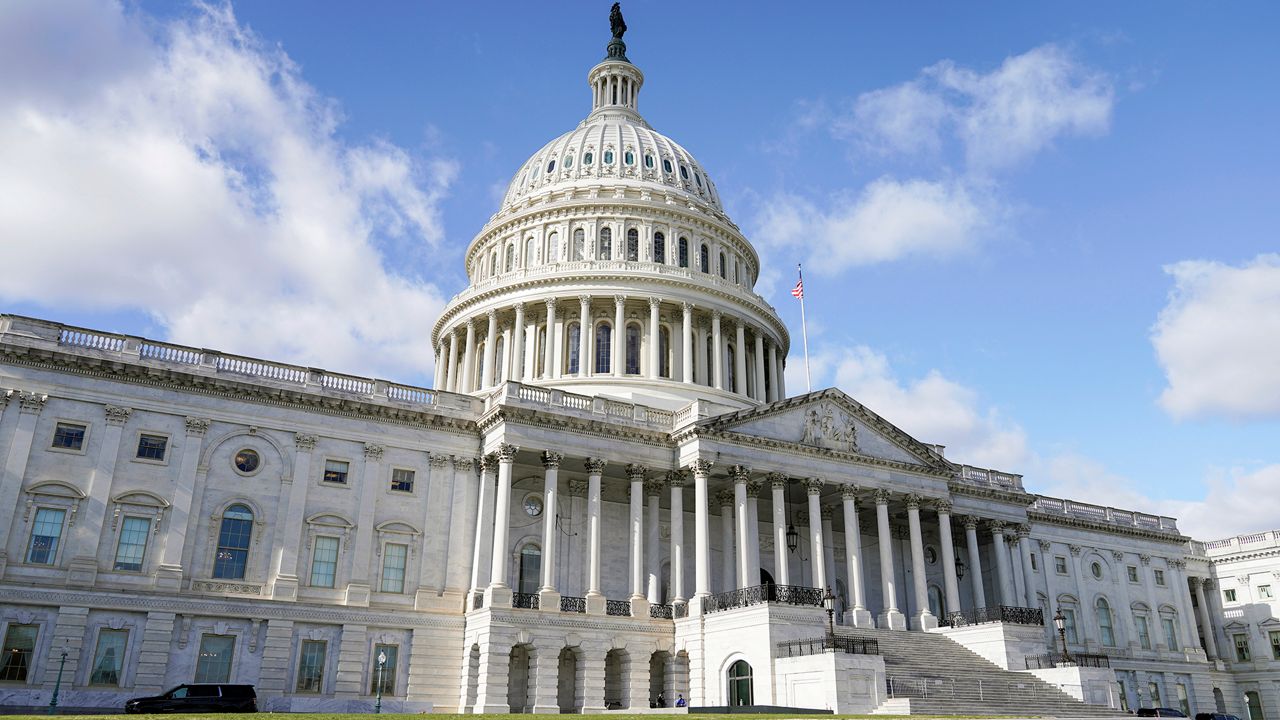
<point>1219,702</point>
<point>518,679</point>
<point>765,577</point>
<point>740,685</point>
<point>1254,703</point>
<point>530,578</point>
<point>937,605</point>
<point>567,696</point>
<point>658,683</point>
<point>617,689</point>
<point>473,678</point>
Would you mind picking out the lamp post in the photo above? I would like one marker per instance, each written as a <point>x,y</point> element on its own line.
<point>829,602</point>
<point>1060,623</point>
<point>57,684</point>
<point>382,663</point>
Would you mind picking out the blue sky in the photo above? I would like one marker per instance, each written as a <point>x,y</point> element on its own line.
<point>1041,234</point>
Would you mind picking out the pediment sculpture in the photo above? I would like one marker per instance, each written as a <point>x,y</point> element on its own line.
<point>827,427</point>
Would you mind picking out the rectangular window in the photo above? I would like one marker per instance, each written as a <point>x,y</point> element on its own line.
<point>1242,647</point>
<point>1132,570</point>
<point>1184,704</point>
<point>335,471</point>
<point>108,658</point>
<point>1144,632</point>
<point>1229,595</point>
<point>402,480</point>
<point>311,666</point>
<point>1035,564</point>
<point>19,644</point>
<point>45,534</point>
<point>1069,616</point>
<point>213,664</point>
<point>69,436</point>
<point>394,558</point>
<point>1159,577</point>
<point>324,562</point>
<point>1275,644</point>
<point>1264,592</point>
<point>386,677</point>
<point>133,544</point>
<point>1154,689</point>
<point>1060,565</point>
<point>152,447</point>
<point>1170,633</point>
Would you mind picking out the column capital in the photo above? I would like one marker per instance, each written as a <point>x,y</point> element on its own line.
<point>777,480</point>
<point>1045,546</point>
<point>913,501</point>
<point>373,451</point>
<point>436,460</point>
<point>715,315</point>
<point>849,492</point>
<point>943,507</point>
<point>739,473</point>
<point>1075,550</point>
<point>584,299</point>
<point>578,487</point>
<point>675,479</point>
<point>518,306</point>
<point>813,486</point>
<point>1024,530</point>
<point>488,463</point>
<point>725,497</point>
<point>471,324</point>
<point>701,467</point>
<point>197,426</point>
<point>655,302</point>
<point>464,464</point>
<point>551,305</point>
<point>827,511</point>
<point>491,315</point>
<point>654,487</point>
<point>551,459</point>
<point>619,300</point>
<point>882,496</point>
<point>753,489</point>
<point>1145,559</point>
<point>117,415</point>
<point>636,472</point>
<point>595,466</point>
<point>996,527</point>
<point>971,522</point>
<point>29,402</point>
<point>304,441</point>
<point>1208,583</point>
<point>1195,582</point>
<point>1177,564</point>
<point>686,307</point>
<point>507,453</point>
<point>1117,556</point>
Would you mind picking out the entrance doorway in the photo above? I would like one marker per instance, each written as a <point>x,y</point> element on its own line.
<point>740,686</point>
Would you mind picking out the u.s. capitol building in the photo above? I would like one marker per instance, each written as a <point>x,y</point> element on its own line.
<point>608,499</point>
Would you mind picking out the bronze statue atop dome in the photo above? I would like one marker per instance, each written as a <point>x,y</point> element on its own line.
<point>616,23</point>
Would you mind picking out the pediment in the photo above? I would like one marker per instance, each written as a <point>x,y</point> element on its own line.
<point>831,421</point>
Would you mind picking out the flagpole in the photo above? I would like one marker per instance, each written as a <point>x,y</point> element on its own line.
<point>804,331</point>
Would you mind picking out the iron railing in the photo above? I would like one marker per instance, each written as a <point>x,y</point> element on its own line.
<point>619,608</point>
<point>573,604</point>
<point>528,601</point>
<point>828,643</point>
<point>1039,662</point>
<point>759,594</point>
<point>664,612</point>
<point>996,613</point>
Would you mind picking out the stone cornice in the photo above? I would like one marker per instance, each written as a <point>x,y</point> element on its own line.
<point>1076,522</point>
<point>541,418</point>
<point>1012,497</point>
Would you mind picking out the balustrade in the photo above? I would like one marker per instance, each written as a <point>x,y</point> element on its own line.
<point>573,604</point>
<point>617,608</point>
<point>526,601</point>
<point>996,613</point>
<point>759,594</point>
<point>828,643</point>
<point>664,612</point>
<point>1043,662</point>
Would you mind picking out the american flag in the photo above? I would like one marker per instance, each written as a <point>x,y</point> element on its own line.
<point>798,290</point>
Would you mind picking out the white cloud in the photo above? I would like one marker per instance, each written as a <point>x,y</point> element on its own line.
<point>889,220</point>
<point>1218,340</point>
<point>196,176</point>
<point>905,119</point>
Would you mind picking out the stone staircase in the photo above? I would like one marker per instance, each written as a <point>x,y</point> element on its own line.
<point>931,674</point>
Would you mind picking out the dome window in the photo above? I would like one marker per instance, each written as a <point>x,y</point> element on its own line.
<point>588,158</point>
<point>698,178</point>
<point>684,172</point>
<point>648,161</point>
<point>551,166</point>
<point>629,158</point>
<point>608,157</point>
<point>666,166</point>
<point>568,161</point>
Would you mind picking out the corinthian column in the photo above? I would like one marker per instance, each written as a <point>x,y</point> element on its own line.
<point>858,616</point>
<point>675,481</point>
<point>490,348</point>
<point>728,561</point>
<point>891,618</point>
<point>516,348</point>
<point>975,561</point>
<point>548,595</point>
<point>595,598</point>
<point>717,351</point>
<point>817,548</point>
<point>635,526</point>
<point>740,358</point>
<point>653,495</point>
<point>1211,643</point>
<point>584,334</point>
<point>757,390</point>
<point>451,371</point>
<point>654,331</point>
<point>1002,563</point>
<point>686,347</point>
<point>740,477</point>
<point>950,586</point>
<point>782,572</point>
<point>499,591</point>
<point>701,534</point>
<point>924,620</point>
<point>549,345</point>
<point>469,360</point>
<point>618,353</point>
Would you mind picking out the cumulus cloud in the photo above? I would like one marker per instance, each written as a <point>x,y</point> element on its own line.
<point>1218,340</point>
<point>187,170</point>
<point>888,220</point>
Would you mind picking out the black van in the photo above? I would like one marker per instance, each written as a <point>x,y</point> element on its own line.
<point>201,697</point>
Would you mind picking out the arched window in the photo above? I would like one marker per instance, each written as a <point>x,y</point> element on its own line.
<point>722,266</point>
<point>579,244</point>
<point>664,352</point>
<point>1102,610</point>
<point>730,381</point>
<point>737,272</point>
<point>633,244</point>
<point>575,341</point>
<point>1169,623</point>
<point>552,253</point>
<point>539,361</point>
<point>937,605</point>
<point>527,260</point>
<point>605,248</point>
<point>499,359</point>
<point>704,259</point>
<point>530,569</point>
<point>659,247</point>
<point>633,350</point>
<point>493,264</point>
<point>740,690</point>
<point>232,556</point>
<point>710,363</point>
<point>604,337</point>
<point>510,263</point>
<point>683,252</point>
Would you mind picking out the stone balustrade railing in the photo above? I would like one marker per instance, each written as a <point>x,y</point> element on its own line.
<point>517,394</point>
<point>34,333</point>
<point>983,477</point>
<point>1252,541</point>
<point>1102,514</point>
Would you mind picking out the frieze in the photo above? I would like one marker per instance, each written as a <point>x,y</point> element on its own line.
<point>213,586</point>
<point>824,428</point>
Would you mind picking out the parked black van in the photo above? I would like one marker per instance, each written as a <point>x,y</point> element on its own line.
<point>198,697</point>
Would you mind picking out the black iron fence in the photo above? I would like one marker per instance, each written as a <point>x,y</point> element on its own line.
<point>1040,662</point>
<point>528,601</point>
<point>661,611</point>
<point>759,594</point>
<point>573,604</point>
<point>617,608</point>
<point>996,613</point>
<point>828,643</point>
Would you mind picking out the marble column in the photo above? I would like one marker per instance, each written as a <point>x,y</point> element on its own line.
<point>516,347</point>
<point>654,344</point>
<point>740,358</point>
<point>437,380</point>
<point>1001,551</point>
<point>675,481</point>
<point>924,619</point>
<point>700,369</point>
<point>701,534</point>
<point>717,352</point>
<point>741,475</point>
<point>975,560</point>
<point>549,345</point>
<point>891,618</point>
<point>487,369</point>
<point>499,591</point>
<point>84,532</point>
<point>466,382</point>
<point>1084,611</point>
<point>757,391</point>
<point>817,546</point>
<point>782,574</point>
<point>483,549</point>
<point>170,572</point>
<point>1046,552</point>
<point>549,594</point>
<point>652,545</point>
<point>686,344</point>
<point>858,616</point>
<point>635,532</point>
<point>829,554</point>
<point>618,349</point>
<point>1182,596</point>
<point>1024,543</point>
<point>753,533</point>
<point>584,335</point>
<point>451,370</point>
<point>950,584</point>
<point>595,598</point>
<point>772,395</point>
<point>1206,623</point>
<point>728,560</point>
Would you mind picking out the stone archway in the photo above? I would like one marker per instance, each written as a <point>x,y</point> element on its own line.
<point>659,666</point>
<point>520,679</point>
<point>568,689</point>
<point>617,690</point>
<point>472,679</point>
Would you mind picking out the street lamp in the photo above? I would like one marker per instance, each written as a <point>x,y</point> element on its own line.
<point>829,602</point>
<point>57,685</point>
<point>1060,623</point>
<point>382,663</point>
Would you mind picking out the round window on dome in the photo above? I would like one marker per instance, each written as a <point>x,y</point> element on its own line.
<point>551,166</point>
<point>568,161</point>
<point>648,161</point>
<point>608,157</point>
<point>684,172</point>
<point>666,166</point>
<point>629,158</point>
<point>587,158</point>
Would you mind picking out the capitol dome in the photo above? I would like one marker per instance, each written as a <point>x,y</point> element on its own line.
<point>611,270</point>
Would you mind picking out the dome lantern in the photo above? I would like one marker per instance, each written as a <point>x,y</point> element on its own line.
<point>615,82</point>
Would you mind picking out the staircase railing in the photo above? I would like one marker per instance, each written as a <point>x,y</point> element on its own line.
<point>997,613</point>
<point>1040,662</point>
<point>760,594</point>
<point>828,643</point>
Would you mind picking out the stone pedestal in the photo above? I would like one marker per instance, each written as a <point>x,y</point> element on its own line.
<point>892,620</point>
<point>82,572</point>
<point>549,601</point>
<point>169,577</point>
<point>284,588</point>
<point>640,608</point>
<point>924,621</point>
<point>595,604</point>
<point>497,596</point>
<point>859,618</point>
<point>358,594</point>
